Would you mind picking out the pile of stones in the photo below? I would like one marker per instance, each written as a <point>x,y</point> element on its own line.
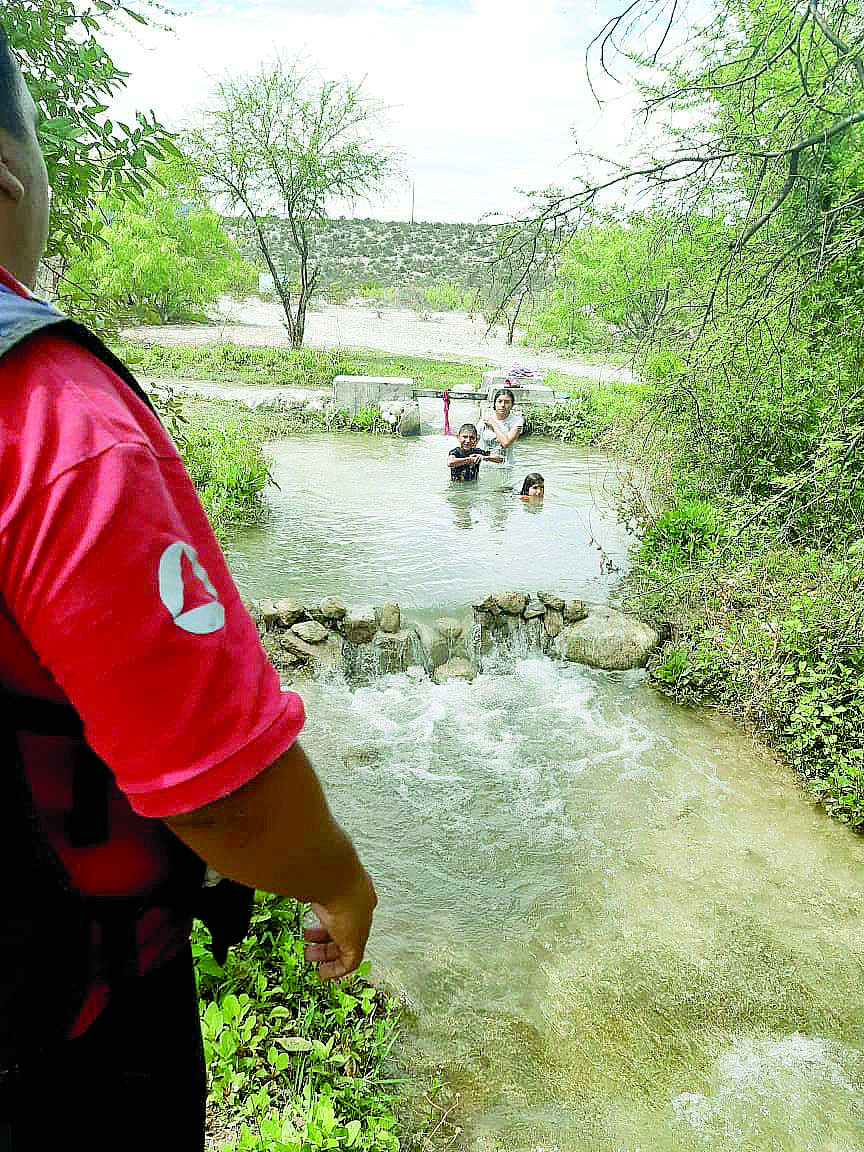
<point>366,642</point>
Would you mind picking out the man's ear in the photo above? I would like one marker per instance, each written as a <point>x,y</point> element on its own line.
<point>11,187</point>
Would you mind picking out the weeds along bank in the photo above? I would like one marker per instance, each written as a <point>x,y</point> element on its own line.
<point>759,587</point>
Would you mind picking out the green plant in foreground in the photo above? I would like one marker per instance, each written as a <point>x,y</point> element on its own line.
<point>295,1064</point>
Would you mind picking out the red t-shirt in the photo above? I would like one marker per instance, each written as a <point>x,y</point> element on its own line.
<point>115,596</point>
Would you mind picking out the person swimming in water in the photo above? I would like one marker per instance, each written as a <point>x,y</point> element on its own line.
<point>533,487</point>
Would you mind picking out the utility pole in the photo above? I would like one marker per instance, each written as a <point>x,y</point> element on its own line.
<point>412,201</point>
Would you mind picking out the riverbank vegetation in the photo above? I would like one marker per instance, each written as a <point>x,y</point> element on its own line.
<point>739,296</point>
<point>296,1064</point>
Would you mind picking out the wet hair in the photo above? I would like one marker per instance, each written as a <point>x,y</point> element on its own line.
<point>11,113</point>
<point>503,392</point>
<point>530,480</point>
<point>468,428</point>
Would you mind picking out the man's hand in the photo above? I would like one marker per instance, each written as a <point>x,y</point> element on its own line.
<point>337,943</point>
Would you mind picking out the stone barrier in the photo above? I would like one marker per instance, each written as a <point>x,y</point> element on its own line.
<point>366,641</point>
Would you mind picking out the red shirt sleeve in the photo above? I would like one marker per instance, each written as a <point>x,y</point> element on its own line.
<point>112,574</point>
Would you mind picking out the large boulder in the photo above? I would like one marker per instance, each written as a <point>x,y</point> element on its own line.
<point>607,639</point>
<point>534,608</point>
<point>360,625</point>
<point>331,608</point>
<point>290,610</point>
<point>551,601</point>
<point>409,422</point>
<point>391,617</point>
<point>553,622</point>
<point>511,603</point>
<point>575,610</point>
<point>310,631</point>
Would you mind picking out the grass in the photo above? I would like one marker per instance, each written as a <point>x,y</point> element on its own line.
<point>312,367</point>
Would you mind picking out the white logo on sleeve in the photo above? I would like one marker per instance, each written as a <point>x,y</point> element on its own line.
<point>187,591</point>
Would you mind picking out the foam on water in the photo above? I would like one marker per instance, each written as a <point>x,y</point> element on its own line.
<point>617,926</point>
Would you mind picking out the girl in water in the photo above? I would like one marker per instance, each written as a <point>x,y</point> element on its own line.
<point>533,487</point>
<point>502,427</point>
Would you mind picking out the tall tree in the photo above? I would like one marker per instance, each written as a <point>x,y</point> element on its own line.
<point>58,44</point>
<point>281,148</point>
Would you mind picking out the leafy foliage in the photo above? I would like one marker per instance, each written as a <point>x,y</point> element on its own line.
<point>295,1064</point>
<point>164,257</point>
<point>279,143</point>
<point>72,78</point>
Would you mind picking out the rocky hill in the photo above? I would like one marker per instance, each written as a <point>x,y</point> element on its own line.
<point>358,254</point>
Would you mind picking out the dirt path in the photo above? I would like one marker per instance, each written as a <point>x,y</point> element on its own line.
<point>440,335</point>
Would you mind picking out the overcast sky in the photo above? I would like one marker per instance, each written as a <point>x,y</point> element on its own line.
<point>483,97</point>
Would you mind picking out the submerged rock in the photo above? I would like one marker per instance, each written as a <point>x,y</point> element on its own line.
<point>553,622</point>
<point>456,669</point>
<point>608,639</point>
<point>395,650</point>
<point>449,628</point>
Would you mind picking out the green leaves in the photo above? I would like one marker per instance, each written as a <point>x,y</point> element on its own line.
<point>294,1063</point>
<point>72,79</point>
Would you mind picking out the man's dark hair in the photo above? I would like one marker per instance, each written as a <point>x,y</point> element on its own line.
<point>468,428</point>
<point>11,117</point>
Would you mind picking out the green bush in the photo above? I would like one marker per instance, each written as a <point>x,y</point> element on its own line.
<point>228,469</point>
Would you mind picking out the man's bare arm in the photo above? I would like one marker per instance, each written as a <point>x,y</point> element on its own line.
<point>277,833</point>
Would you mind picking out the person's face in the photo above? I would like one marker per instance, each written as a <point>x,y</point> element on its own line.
<point>535,491</point>
<point>467,440</point>
<point>503,404</point>
<point>24,196</point>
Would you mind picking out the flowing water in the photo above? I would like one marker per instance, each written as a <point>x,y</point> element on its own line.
<point>617,924</point>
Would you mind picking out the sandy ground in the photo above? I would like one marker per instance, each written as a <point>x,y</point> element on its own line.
<point>439,335</point>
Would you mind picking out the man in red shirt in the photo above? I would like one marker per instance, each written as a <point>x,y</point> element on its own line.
<point>116,606</point>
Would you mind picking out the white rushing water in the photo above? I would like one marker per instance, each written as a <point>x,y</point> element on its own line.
<point>617,925</point>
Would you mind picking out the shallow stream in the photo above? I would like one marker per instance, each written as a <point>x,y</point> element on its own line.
<point>618,925</point>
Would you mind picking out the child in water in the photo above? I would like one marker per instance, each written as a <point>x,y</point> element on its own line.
<point>533,487</point>
<point>464,461</point>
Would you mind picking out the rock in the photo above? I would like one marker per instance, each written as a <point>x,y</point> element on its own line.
<point>575,610</point>
<point>290,610</point>
<point>553,622</point>
<point>268,614</point>
<point>392,410</point>
<point>395,650</point>
<point>296,646</point>
<point>456,669</point>
<point>310,631</point>
<point>533,609</point>
<point>448,628</point>
<point>416,673</point>
<point>608,639</point>
<point>360,625</point>
<point>487,604</point>
<point>331,608</point>
<point>409,422</point>
<point>512,603</point>
<point>391,618</point>
<point>554,602</point>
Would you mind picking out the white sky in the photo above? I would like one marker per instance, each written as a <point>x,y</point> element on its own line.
<point>483,97</point>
